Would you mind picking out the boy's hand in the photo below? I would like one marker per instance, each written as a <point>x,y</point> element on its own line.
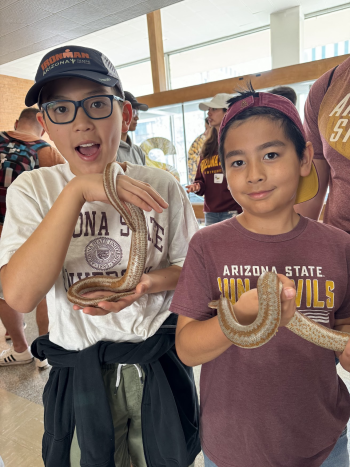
<point>247,306</point>
<point>129,190</point>
<point>344,357</point>
<point>343,325</point>
<point>105,308</point>
<point>193,188</point>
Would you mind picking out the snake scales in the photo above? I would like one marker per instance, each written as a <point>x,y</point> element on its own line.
<point>135,220</point>
<point>266,324</point>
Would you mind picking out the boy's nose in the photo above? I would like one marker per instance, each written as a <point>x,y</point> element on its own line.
<point>82,121</point>
<point>255,173</point>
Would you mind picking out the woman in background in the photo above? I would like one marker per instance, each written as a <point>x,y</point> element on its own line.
<point>210,181</point>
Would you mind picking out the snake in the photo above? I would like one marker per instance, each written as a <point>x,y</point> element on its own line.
<point>268,319</point>
<point>121,287</point>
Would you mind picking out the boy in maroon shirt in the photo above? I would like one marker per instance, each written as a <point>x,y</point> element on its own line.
<point>281,404</point>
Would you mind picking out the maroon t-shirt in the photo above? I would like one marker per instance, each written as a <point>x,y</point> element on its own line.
<point>217,197</point>
<point>327,126</point>
<point>281,404</point>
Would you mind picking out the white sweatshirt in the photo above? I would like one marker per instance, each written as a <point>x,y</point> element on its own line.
<point>100,245</point>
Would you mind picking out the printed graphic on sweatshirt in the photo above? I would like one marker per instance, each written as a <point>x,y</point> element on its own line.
<point>211,165</point>
<point>334,116</point>
<point>103,253</point>
<point>103,246</point>
<point>314,292</point>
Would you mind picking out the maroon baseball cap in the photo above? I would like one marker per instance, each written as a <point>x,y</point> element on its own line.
<point>308,186</point>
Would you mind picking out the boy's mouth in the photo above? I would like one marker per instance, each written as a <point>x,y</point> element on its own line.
<point>88,149</point>
<point>259,194</point>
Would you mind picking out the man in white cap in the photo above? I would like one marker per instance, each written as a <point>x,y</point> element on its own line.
<point>129,152</point>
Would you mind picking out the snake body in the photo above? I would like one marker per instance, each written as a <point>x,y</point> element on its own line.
<point>266,324</point>
<point>135,220</point>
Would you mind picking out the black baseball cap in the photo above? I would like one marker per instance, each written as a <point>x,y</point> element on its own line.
<point>134,102</point>
<point>73,61</point>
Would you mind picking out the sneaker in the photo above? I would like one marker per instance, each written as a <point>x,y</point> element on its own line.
<point>10,357</point>
<point>8,337</point>
<point>42,365</point>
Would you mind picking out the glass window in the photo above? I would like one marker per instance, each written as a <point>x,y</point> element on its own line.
<point>327,35</point>
<point>164,122</point>
<point>181,124</point>
<point>235,57</point>
<point>130,77</point>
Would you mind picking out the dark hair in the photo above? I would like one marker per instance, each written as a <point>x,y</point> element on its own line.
<point>210,146</point>
<point>285,91</point>
<point>206,120</point>
<point>291,131</point>
<point>29,115</point>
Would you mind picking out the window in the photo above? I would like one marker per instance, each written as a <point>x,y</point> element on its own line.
<point>181,124</point>
<point>327,35</point>
<point>227,59</point>
<point>130,77</point>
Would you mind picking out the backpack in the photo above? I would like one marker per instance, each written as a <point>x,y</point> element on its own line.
<point>16,156</point>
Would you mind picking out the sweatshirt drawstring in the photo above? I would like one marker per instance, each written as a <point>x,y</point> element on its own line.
<point>119,371</point>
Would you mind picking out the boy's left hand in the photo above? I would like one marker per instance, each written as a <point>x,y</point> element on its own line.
<point>344,357</point>
<point>105,308</point>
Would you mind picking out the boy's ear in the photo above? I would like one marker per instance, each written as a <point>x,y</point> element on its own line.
<point>308,156</point>
<point>41,120</point>
<point>15,125</point>
<point>127,116</point>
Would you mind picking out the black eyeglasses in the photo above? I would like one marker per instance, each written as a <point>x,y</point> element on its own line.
<point>96,107</point>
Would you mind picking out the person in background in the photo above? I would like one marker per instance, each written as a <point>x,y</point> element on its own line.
<point>327,126</point>
<point>194,152</point>
<point>285,91</point>
<point>26,137</point>
<point>210,180</point>
<point>129,152</point>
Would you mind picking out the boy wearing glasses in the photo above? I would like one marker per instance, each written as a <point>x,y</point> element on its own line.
<point>112,361</point>
<point>127,150</point>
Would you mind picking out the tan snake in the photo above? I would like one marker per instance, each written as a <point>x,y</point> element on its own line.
<point>124,286</point>
<point>266,323</point>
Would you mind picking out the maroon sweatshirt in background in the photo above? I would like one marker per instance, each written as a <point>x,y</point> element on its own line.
<point>327,126</point>
<point>217,197</point>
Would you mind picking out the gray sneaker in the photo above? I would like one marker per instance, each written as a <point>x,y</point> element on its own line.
<point>10,357</point>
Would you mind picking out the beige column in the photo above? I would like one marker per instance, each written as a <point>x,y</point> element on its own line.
<point>155,38</point>
<point>287,37</point>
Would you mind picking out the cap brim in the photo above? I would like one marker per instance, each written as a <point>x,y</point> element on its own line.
<point>33,93</point>
<point>308,186</point>
<point>143,107</point>
<point>206,107</point>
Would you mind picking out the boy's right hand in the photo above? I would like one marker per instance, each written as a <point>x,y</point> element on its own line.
<point>129,190</point>
<point>247,306</point>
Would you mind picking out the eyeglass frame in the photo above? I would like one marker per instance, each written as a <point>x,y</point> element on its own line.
<point>78,104</point>
<point>135,112</point>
